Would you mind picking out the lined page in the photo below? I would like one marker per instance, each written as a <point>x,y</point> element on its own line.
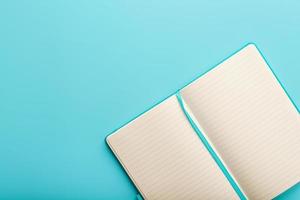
<point>250,121</point>
<point>165,158</point>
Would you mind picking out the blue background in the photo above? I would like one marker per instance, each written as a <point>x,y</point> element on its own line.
<point>73,71</point>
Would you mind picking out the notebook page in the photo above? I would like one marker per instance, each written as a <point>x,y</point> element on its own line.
<point>250,121</point>
<point>165,158</point>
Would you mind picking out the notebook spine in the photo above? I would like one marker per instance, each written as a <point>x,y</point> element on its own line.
<point>210,149</point>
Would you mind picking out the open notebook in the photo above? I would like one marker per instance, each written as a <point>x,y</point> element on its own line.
<point>231,134</point>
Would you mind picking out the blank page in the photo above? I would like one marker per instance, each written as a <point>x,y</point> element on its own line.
<point>165,158</point>
<point>251,122</point>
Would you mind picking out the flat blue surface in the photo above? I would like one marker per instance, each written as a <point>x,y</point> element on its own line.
<point>73,71</point>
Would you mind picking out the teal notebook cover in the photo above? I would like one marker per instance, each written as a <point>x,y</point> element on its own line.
<point>203,139</point>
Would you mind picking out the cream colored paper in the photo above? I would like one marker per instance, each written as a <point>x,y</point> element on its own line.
<point>165,158</point>
<point>251,122</point>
